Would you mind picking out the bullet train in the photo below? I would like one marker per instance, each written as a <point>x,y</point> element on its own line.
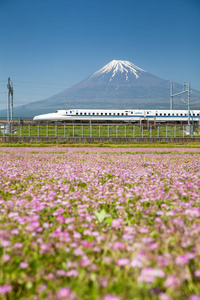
<point>126,115</point>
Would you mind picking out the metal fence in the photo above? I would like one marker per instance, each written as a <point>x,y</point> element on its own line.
<point>98,130</point>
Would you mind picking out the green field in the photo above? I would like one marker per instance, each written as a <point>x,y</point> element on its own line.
<point>77,130</point>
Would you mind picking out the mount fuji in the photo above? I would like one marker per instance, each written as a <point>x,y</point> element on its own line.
<point>118,85</point>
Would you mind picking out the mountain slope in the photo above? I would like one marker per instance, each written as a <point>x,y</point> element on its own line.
<point>118,85</point>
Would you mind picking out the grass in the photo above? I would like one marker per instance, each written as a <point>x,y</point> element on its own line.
<point>162,144</point>
<point>98,131</point>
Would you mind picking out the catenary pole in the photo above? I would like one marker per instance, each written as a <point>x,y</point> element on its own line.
<point>8,111</point>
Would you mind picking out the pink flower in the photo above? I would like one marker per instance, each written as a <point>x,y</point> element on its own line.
<point>77,235</point>
<point>69,220</point>
<point>123,262</point>
<point>15,231</point>
<point>5,243</point>
<point>72,273</point>
<point>197,273</point>
<point>41,288</point>
<point>52,195</point>
<point>136,263</point>
<point>172,282</point>
<point>182,260</point>
<point>60,219</point>
<point>107,260</point>
<point>87,244</point>
<point>44,248</point>
<point>78,252</point>
<point>93,267</point>
<point>85,262</point>
<point>127,236</point>
<point>97,249</point>
<point>23,265</point>
<point>116,223</point>
<point>157,219</point>
<point>129,229</point>
<point>63,293</point>
<point>104,282</point>
<point>163,296</point>
<point>34,226</point>
<point>194,297</point>
<point>87,232</point>
<point>4,289</point>
<point>118,245</point>
<point>61,273</point>
<point>18,245</point>
<point>193,212</point>
<point>144,230</point>
<point>153,246</point>
<point>5,257</point>
<point>49,276</point>
<point>149,275</point>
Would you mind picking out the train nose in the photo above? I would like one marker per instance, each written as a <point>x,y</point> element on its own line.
<point>36,118</point>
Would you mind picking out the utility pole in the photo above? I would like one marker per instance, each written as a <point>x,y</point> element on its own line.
<point>188,97</point>
<point>11,102</point>
<point>186,89</point>
<point>171,95</point>
<point>10,105</point>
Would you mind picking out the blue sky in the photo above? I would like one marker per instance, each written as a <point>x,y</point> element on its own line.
<point>47,46</point>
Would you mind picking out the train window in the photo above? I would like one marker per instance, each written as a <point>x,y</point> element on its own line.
<point>89,114</point>
<point>197,114</point>
<point>168,114</point>
<point>106,114</point>
<point>181,114</point>
<point>172,114</point>
<point>147,113</point>
<point>126,114</point>
<point>102,114</point>
<point>93,114</point>
<point>160,114</point>
<point>70,111</point>
<point>131,112</point>
<point>164,114</point>
<point>185,114</point>
<point>118,114</point>
<point>85,114</point>
<point>76,113</point>
<point>156,114</point>
<point>122,114</point>
<point>81,113</point>
<point>177,114</point>
<point>97,114</point>
<point>113,114</point>
<point>110,114</point>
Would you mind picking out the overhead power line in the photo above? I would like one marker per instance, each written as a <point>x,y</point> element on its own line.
<point>43,83</point>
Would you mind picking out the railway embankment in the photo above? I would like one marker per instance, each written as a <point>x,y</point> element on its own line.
<point>98,140</point>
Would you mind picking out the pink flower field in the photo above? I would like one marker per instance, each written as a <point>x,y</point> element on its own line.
<point>99,223</point>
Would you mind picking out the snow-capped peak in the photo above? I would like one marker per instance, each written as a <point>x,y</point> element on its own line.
<point>119,66</point>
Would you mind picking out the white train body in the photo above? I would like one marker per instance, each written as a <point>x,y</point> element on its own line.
<point>126,115</point>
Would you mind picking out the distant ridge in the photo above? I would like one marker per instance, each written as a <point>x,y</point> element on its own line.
<point>118,85</point>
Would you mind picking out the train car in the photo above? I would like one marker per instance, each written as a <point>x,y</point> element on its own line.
<point>127,115</point>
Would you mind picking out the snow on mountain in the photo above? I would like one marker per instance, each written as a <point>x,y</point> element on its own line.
<point>120,73</point>
<point>119,66</point>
